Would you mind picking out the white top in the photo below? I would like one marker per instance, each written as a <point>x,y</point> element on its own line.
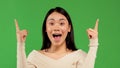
<point>76,59</point>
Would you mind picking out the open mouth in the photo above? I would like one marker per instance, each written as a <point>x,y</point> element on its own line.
<point>57,35</point>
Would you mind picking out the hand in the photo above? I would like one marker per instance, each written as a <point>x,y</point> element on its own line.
<point>93,33</point>
<point>21,34</point>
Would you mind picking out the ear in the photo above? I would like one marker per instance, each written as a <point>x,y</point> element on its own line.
<point>69,28</point>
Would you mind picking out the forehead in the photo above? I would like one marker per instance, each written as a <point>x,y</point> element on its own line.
<point>56,16</point>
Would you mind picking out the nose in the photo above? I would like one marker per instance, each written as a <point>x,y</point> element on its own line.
<point>56,28</point>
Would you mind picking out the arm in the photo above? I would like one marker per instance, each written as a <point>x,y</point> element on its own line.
<point>91,56</point>
<point>21,56</point>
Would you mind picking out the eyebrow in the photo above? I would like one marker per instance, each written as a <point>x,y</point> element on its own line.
<point>50,19</point>
<point>61,19</point>
<point>54,19</point>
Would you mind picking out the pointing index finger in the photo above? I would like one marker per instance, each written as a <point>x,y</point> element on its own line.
<point>16,24</point>
<point>96,25</point>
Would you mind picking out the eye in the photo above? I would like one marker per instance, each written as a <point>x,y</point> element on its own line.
<point>51,23</point>
<point>62,23</point>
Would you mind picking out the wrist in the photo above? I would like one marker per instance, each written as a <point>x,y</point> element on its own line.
<point>21,43</point>
<point>93,42</point>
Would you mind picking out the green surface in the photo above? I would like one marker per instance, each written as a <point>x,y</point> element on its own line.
<point>30,15</point>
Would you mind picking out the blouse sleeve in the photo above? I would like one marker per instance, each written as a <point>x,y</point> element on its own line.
<point>21,57</point>
<point>91,56</point>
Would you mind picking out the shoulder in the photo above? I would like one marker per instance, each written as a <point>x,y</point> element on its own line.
<point>34,55</point>
<point>82,53</point>
<point>35,52</point>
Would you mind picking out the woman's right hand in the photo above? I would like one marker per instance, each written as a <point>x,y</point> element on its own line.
<point>21,34</point>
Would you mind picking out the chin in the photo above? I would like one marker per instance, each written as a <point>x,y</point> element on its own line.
<point>56,43</point>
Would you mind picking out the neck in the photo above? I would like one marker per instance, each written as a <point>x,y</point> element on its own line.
<point>58,48</point>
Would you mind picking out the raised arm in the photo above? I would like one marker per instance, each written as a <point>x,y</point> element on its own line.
<point>21,55</point>
<point>91,56</point>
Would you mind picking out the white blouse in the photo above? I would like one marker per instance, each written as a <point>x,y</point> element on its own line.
<point>76,59</point>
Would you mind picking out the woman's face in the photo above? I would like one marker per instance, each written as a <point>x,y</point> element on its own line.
<point>57,28</point>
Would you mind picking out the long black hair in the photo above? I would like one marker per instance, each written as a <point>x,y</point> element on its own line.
<point>70,44</point>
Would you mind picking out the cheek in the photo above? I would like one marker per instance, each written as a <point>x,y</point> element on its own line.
<point>48,30</point>
<point>64,29</point>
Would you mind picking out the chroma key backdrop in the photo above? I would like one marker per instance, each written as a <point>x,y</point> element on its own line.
<point>30,15</point>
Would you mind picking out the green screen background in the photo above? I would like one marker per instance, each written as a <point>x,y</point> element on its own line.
<point>30,15</point>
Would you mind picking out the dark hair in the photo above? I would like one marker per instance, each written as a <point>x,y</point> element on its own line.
<point>70,37</point>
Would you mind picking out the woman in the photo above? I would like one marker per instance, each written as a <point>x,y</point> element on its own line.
<point>58,49</point>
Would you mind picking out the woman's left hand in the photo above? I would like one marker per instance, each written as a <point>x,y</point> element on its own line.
<point>93,33</point>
